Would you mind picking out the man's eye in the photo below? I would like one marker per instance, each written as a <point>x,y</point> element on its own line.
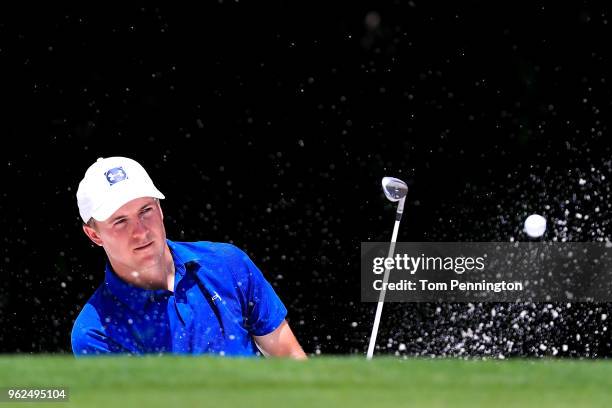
<point>119,222</point>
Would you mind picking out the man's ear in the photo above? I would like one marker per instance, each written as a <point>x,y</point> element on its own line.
<point>92,234</point>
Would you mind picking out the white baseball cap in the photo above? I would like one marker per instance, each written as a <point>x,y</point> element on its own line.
<point>111,182</point>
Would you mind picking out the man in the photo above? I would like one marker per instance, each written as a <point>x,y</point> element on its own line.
<point>161,296</point>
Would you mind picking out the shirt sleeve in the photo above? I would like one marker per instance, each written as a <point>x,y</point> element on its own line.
<point>89,343</point>
<point>265,311</point>
<point>88,337</point>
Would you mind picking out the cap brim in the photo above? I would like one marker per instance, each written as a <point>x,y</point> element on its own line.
<point>122,197</point>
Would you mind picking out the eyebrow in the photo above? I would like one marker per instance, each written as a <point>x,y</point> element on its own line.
<point>118,217</point>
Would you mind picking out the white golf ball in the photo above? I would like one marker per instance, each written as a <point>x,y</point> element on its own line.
<point>535,225</point>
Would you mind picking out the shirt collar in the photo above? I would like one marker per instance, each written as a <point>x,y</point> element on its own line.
<point>183,252</point>
<point>135,297</point>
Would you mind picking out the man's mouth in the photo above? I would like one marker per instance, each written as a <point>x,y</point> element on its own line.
<point>144,246</point>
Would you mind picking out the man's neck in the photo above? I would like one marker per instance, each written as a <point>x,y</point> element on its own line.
<point>159,276</point>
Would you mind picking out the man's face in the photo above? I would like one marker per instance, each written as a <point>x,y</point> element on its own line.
<point>134,237</point>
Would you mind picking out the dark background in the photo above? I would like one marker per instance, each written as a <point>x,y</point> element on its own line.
<point>271,128</point>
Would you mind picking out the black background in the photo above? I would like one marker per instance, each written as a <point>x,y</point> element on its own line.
<point>271,126</point>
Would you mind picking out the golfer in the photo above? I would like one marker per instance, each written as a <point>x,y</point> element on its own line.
<point>161,296</point>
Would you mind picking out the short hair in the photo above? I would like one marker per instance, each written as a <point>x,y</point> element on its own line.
<point>91,223</point>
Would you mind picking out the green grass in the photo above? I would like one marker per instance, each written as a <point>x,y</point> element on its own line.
<point>176,382</point>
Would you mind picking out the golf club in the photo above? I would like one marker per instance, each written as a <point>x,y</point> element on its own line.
<point>395,190</point>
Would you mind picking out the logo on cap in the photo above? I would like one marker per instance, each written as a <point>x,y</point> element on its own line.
<point>115,175</point>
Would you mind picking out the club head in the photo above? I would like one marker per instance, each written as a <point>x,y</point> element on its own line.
<point>395,189</point>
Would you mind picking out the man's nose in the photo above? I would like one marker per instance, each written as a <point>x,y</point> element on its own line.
<point>139,227</point>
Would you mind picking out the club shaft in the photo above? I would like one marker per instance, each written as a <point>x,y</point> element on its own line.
<point>381,298</point>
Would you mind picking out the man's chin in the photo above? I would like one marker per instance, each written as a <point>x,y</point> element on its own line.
<point>148,260</point>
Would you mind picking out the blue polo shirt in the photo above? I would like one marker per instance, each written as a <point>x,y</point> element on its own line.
<point>220,300</point>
